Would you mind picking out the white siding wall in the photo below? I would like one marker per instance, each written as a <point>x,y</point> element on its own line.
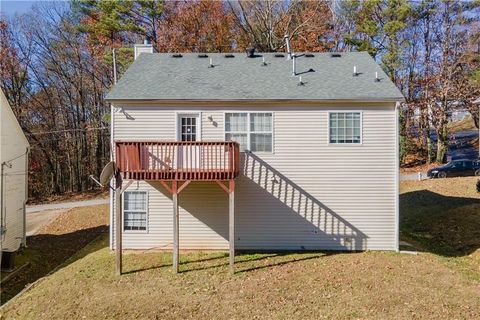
<point>13,147</point>
<point>308,194</point>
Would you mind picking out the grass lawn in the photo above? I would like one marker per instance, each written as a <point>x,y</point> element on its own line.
<point>440,217</point>
<point>55,243</point>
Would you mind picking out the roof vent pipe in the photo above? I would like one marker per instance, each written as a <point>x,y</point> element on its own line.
<point>289,51</point>
<point>300,82</point>
<point>250,52</point>
<point>294,66</point>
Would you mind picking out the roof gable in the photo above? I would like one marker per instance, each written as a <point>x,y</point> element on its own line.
<point>6,111</point>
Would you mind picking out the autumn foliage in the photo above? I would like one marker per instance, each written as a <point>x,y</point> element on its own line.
<point>56,63</point>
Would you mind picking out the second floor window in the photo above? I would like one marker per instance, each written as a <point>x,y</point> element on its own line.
<point>345,127</point>
<point>252,130</point>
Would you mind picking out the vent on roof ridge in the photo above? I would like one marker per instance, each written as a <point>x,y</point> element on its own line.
<point>229,55</point>
<point>309,55</point>
<point>177,55</point>
<point>279,55</point>
<point>203,55</point>
<point>335,55</point>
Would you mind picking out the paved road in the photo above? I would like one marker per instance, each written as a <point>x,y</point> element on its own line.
<point>36,220</point>
<point>66,205</point>
<point>411,176</point>
<point>458,145</point>
<point>458,148</point>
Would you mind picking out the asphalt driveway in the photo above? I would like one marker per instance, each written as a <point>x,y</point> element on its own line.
<point>41,215</point>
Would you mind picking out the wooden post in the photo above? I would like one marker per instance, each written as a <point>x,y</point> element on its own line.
<point>175,226</point>
<point>231,225</point>
<point>118,230</point>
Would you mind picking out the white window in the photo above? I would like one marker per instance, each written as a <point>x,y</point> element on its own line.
<point>345,127</point>
<point>252,130</point>
<point>135,211</point>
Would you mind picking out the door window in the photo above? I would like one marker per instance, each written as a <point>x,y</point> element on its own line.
<point>188,128</point>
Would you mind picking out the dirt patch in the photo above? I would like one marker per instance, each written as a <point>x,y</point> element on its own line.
<point>55,243</point>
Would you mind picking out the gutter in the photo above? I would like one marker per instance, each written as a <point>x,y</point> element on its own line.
<point>226,102</point>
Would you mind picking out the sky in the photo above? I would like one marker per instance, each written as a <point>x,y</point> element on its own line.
<point>10,7</point>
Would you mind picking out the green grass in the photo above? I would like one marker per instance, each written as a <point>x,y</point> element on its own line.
<point>442,283</point>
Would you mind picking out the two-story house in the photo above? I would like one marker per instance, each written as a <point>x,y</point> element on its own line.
<point>305,146</point>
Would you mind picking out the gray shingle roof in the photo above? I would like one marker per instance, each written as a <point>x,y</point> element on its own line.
<point>159,76</point>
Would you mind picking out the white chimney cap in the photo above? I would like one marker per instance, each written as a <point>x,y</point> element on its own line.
<point>142,48</point>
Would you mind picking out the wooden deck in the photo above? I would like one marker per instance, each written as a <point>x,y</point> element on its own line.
<point>171,163</point>
<point>178,161</point>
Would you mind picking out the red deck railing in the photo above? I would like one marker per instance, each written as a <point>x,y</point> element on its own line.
<point>180,160</point>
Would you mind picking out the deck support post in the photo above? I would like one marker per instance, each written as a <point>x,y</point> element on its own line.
<point>231,225</point>
<point>175,226</point>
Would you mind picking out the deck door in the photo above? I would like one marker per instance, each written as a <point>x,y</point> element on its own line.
<point>188,127</point>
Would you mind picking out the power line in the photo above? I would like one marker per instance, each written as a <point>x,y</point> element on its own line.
<point>66,130</point>
<point>17,157</point>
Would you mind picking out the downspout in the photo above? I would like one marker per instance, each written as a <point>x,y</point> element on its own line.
<point>2,209</point>
<point>112,146</point>
<point>2,197</point>
<point>397,177</point>
<point>24,238</point>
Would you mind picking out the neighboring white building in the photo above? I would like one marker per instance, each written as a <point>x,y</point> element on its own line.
<point>318,161</point>
<point>13,186</point>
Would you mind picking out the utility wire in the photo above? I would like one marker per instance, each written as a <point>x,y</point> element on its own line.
<point>15,158</point>
<point>66,130</point>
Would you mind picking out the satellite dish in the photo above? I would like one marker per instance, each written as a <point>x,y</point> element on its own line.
<point>107,173</point>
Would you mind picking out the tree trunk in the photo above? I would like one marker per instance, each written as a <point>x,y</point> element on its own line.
<point>442,144</point>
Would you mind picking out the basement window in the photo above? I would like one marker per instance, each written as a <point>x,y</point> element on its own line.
<point>252,130</point>
<point>345,127</point>
<point>135,210</point>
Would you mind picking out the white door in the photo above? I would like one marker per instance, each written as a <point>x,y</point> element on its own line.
<point>188,129</point>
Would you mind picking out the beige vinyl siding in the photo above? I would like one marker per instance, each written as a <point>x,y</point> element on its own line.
<point>13,151</point>
<point>306,194</point>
